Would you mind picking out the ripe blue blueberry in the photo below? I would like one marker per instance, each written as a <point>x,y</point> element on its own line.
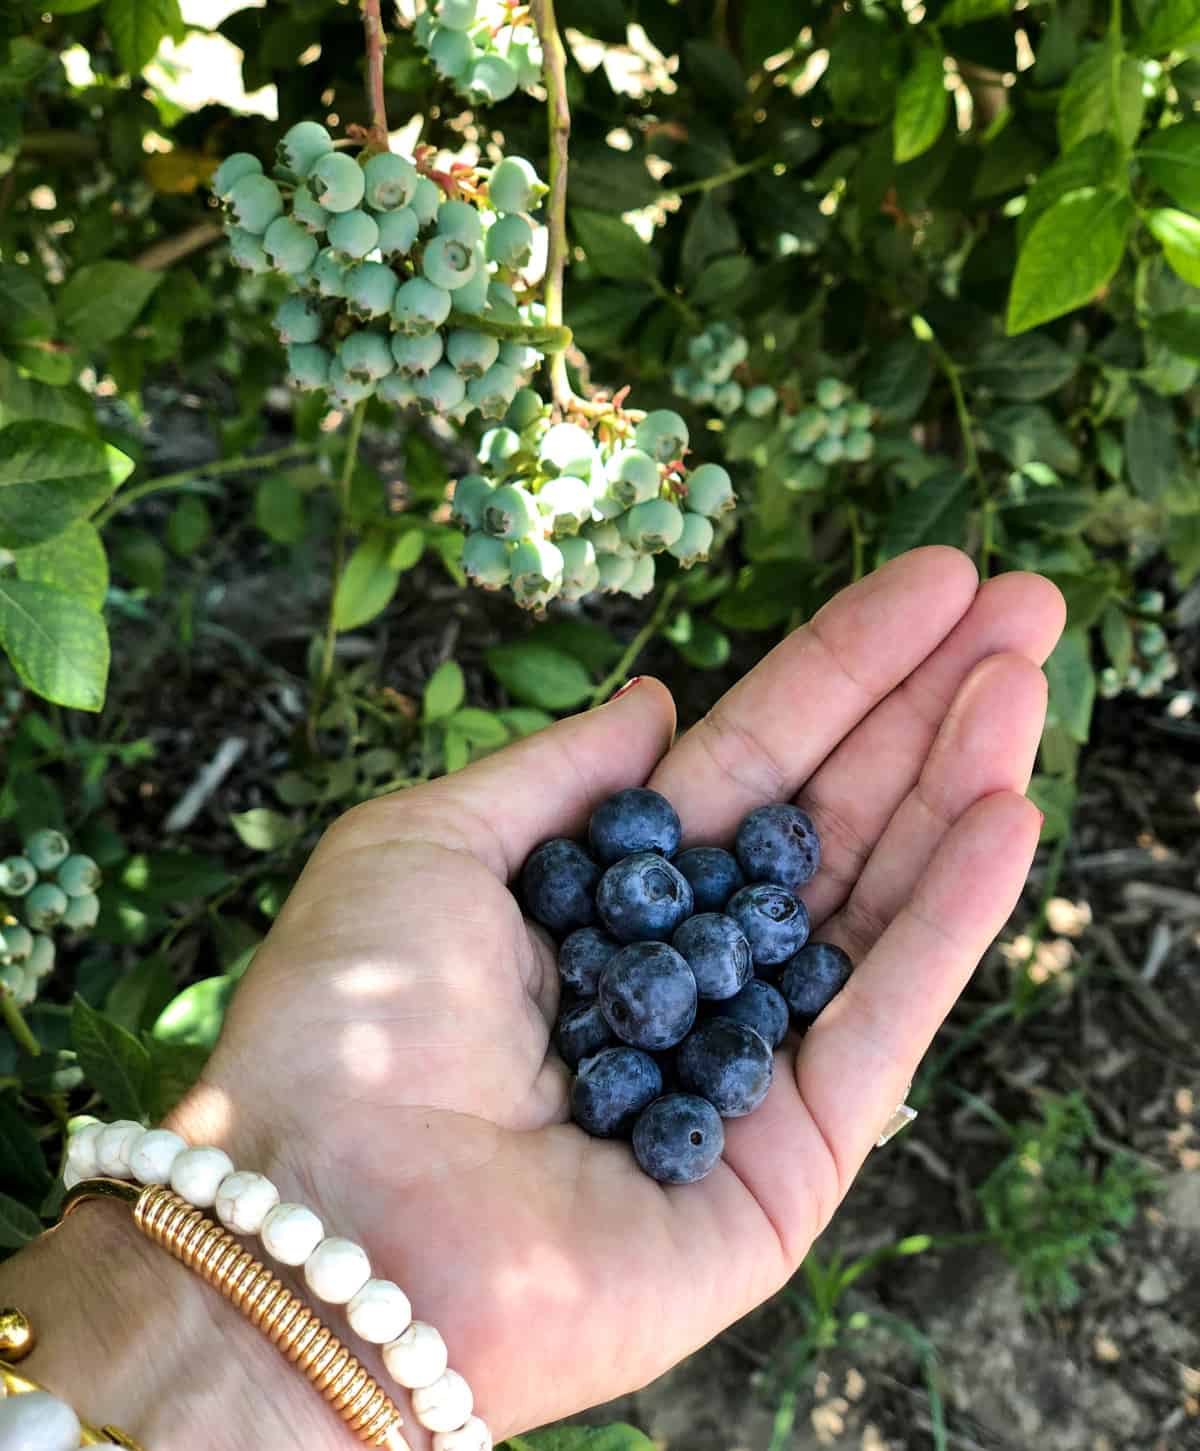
<point>648,995</point>
<point>611,1089</point>
<point>486,561</point>
<point>716,950</point>
<point>231,171</point>
<point>678,1139</point>
<point>812,979</point>
<point>419,306</point>
<point>728,1064</point>
<point>583,956</point>
<point>336,182</point>
<point>778,843</point>
<point>774,921</point>
<point>634,820</point>
<point>303,145</point>
<point>581,1032</point>
<point>713,873</point>
<point>389,181</point>
<point>558,883</point>
<point>761,1007</point>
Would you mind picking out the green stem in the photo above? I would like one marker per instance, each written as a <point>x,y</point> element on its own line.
<point>215,470</point>
<point>689,315</point>
<point>966,426</point>
<point>856,541</point>
<point>1116,48</point>
<point>548,339</point>
<point>558,120</point>
<point>339,561</point>
<point>620,671</point>
<point>719,178</point>
<point>18,1027</point>
<point>377,132</point>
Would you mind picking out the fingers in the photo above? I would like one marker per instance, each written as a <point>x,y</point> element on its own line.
<point>857,1060</point>
<point>500,808</point>
<point>774,728</point>
<point>855,793</point>
<point>988,743</point>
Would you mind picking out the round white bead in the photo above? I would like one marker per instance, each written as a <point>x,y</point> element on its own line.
<point>196,1174</point>
<point>152,1156</point>
<point>37,1421</point>
<point>446,1405</point>
<point>336,1270</point>
<point>379,1312</point>
<point>417,1357</point>
<point>474,1436</point>
<point>290,1233</point>
<point>113,1144</point>
<point>71,1177</point>
<point>81,1150</point>
<point>244,1200</point>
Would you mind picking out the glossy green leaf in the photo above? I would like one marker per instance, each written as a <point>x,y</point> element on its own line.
<point>921,103</point>
<point>897,379</point>
<point>966,12</point>
<point>540,675</point>
<point>113,1061</point>
<point>367,584</point>
<point>1170,25</point>
<point>445,691</point>
<point>22,1164</point>
<point>1171,159</point>
<point>1151,447</point>
<point>1179,236</point>
<point>196,1014</point>
<point>18,1223</point>
<point>101,301</point>
<point>1180,330</point>
<point>1094,162</point>
<point>613,248</point>
<point>1027,433</point>
<point>73,561</point>
<point>935,512</point>
<point>1072,684</point>
<point>482,728</point>
<point>56,645</point>
<point>1025,367</point>
<point>262,829</point>
<point>1101,95</point>
<point>26,311</point>
<point>50,476</point>
<point>137,28</point>
<point>1072,251</point>
<point>189,526</point>
<point>279,509</point>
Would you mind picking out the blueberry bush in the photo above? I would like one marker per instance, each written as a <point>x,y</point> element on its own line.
<point>537,337</point>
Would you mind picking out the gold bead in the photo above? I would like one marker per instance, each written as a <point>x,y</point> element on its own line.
<point>17,1336</point>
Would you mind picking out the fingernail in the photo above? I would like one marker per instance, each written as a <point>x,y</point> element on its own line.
<point>625,689</point>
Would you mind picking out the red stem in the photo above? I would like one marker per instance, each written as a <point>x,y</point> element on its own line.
<point>377,132</point>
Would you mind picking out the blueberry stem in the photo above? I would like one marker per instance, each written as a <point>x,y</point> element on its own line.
<point>558,115</point>
<point>542,336</point>
<point>15,1022</point>
<point>621,670</point>
<point>377,132</point>
<point>240,464</point>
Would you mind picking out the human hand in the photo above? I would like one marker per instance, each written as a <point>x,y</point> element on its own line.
<point>387,1058</point>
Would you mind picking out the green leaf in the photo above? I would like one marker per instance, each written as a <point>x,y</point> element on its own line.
<point>1072,685</point>
<point>174,1068</point>
<point>140,994</point>
<point>711,232</point>
<point>1054,797</point>
<point>540,675</point>
<point>897,379</point>
<point>1117,634</point>
<point>1180,330</point>
<point>921,104</point>
<point>720,281</point>
<point>367,584</point>
<point>196,1014</point>
<point>1026,433</point>
<point>1171,25</point>
<point>407,550</point>
<point>445,691</point>
<point>50,476</point>
<point>1171,159</point>
<point>1086,594</point>
<point>482,728</point>
<point>279,509</point>
<point>18,1223</point>
<point>767,29</point>
<point>933,513</point>
<point>56,645</point>
<point>189,526</point>
<point>965,12</point>
<point>1072,251</point>
<point>1086,104</point>
<point>1025,367</point>
<point>1183,547</point>
<point>594,646</point>
<point>714,73</point>
<point>613,248</point>
<point>73,562</point>
<point>1151,447</point>
<point>22,1165</point>
<point>26,312</point>
<point>101,301</point>
<point>1094,162</point>
<point>617,1437</point>
<point>262,829</point>
<point>137,28</point>
<point>1179,235</point>
<point>523,720</point>
<point>113,1061</point>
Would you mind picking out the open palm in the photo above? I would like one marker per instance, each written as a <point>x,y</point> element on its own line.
<point>388,1057</point>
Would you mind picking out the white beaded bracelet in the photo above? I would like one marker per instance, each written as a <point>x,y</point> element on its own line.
<point>336,1270</point>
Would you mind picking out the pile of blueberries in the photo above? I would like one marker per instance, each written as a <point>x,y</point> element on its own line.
<point>681,971</point>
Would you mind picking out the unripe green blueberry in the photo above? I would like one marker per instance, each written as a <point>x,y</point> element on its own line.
<point>1151,642</point>
<point>396,390</point>
<point>760,400</point>
<point>303,145</point>
<point>858,445</point>
<point>605,536</point>
<point>328,274</point>
<point>13,981</point>
<point>231,171</point>
<point>567,449</point>
<point>246,251</point>
<point>836,422</point>
<point>510,242</point>
<point>254,203</point>
<point>426,200</point>
<point>654,525</point>
<point>528,58</point>
<point>290,248</point>
<point>440,390</point>
<point>18,943</point>
<point>308,213</point>
<point>662,434</point>
<point>336,181</point>
<point>41,958</point>
<point>499,446</point>
<point>470,494</point>
<point>370,290</point>
<point>485,561</point>
<point>693,385</point>
<point>568,503</point>
<point>491,78</point>
<point>389,181</point>
<point>79,874</point>
<point>525,409</point>
<point>82,912</point>
<point>1150,600</point>
<point>44,906</point>
<point>502,302</point>
<point>415,356</point>
<point>829,450</point>
<point>420,306</point>
<point>634,476</point>
<point>456,14</point>
<point>298,320</point>
<point>831,393</point>
<point>308,366</point>
<point>347,390</point>
<point>520,357</point>
<point>511,512</point>
<point>514,185</point>
<point>17,875</point>
<point>537,572</point>
<point>451,52</point>
<point>1108,682</point>
<point>471,298</point>
<point>365,357</point>
<point>353,234</point>
<point>47,849</point>
<point>397,232</point>
<point>808,426</point>
<point>580,573</point>
<point>471,353</point>
<point>493,392</point>
<point>860,415</point>
<point>461,221</point>
<point>702,347</point>
<point>717,368</point>
<point>613,571</point>
<point>710,491</point>
<point>728,398</point>
<point>694,544</point>
<point>448,262</point>
<point>641,576</point>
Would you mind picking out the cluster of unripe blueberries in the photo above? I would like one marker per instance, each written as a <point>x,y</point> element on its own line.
<point>399,288</point>
<point>1152,663</point>
<point>47,887</point>
<point>560,509</point>
<point>486,49</point>
<point>835,427</point>
<point>681,971</point>
<point>708,378</point>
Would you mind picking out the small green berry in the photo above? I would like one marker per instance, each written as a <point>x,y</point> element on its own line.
<point>486,561</point>
<point>327,275</point>
<point>837,422</point>
<point>396,390</point>
<point>491,78</point>
<point>303,145</point>
<point>471,492</point>
<point>641,576</point>
<point>41,958</point>
<point>420,307</point>
<point>308,213</point>
<point>514,186</point>
<point>860,415</point>
<point>78,875</point>
<point>297,320</point>
<point>662,434</point>
<point>82,912</point>
<point>336,181</point>
<point>254,203</point>
<point>415,356</point>
<point>858,445</point>
<point>613,571</point>
<point>308,366</point>
<point>347,390</point>
<point>352,234</point>
<point>580,573</point>
<point>246,251</point>
<point>18,943</point>
<point>441,390</point>
<point>370,290</point>
<point>537,572</point>
<point>231,171</point>
<point>694,544</point>
<point>829,451</point>
<point>456,14</point>
<point>471,353</point>
<point>760,400</point>
<point>831,393</point>
<point>510,513</point>
<point>498,446</point>
<point>567,449</point>
<point>389,181</point>
<point>710,491</point>
<point>728,398</point>
<point>365,357</point>
<point>461,221</point>
<point>525,409</point>
<point>493,392</point>
<point>290,248</point>
<point>17,875</point>
<point>47,849</point>
<point>397,232</point>
<point>568,503</point>
<point>44,906</point>
<point>451,53</point>
<point>426,200</point>
<point>654,525</point>
<point>510,242</point>
<point>635,477</point>
<point>449,262</point>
